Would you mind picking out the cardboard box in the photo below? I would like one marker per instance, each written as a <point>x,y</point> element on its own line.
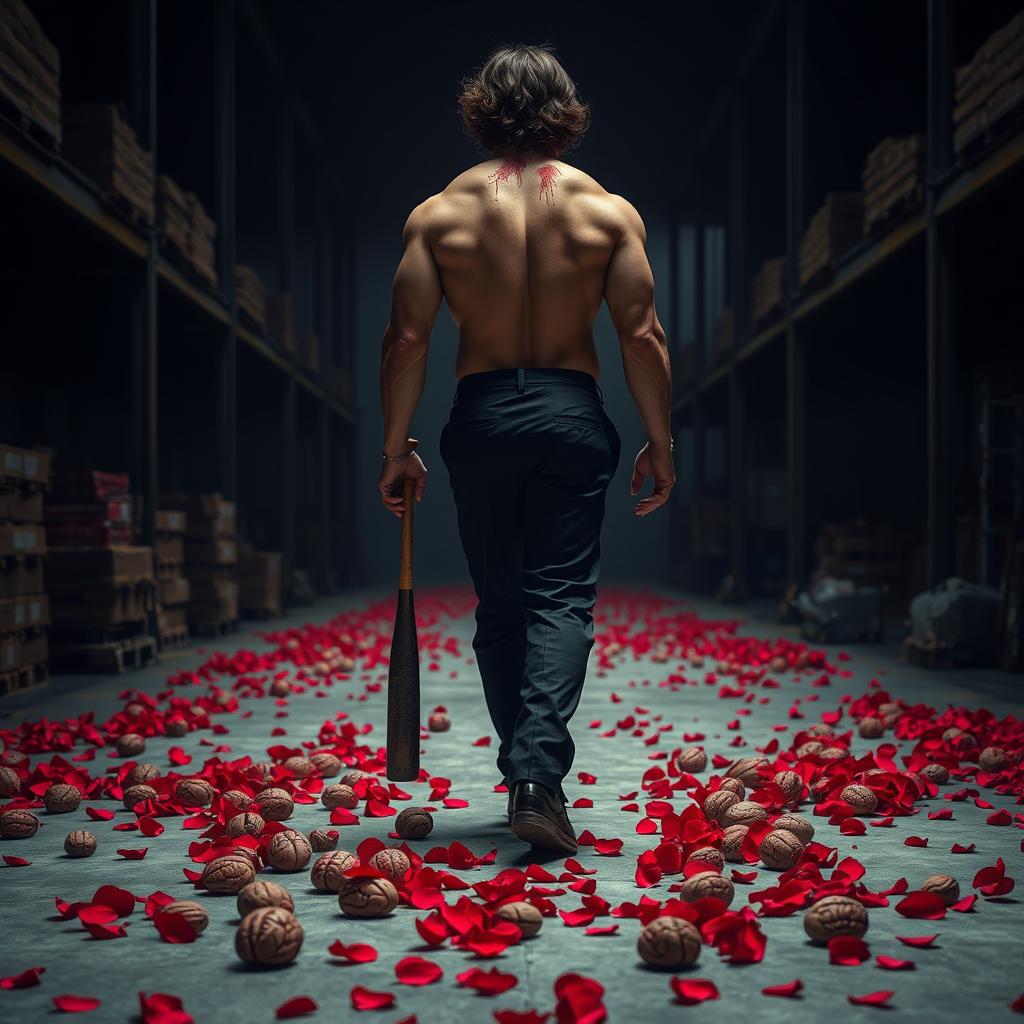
<point>29,610</point>
<point>18,507</point>
<point>24,465</point>
<point>73,569</point>
<point>172,619</point>
<point>170,521</point>
<point>22,539</point>
<point>106,606</point>
<point>259,579</point>
<point>173,591</point>
<point>169,549</point>
<point>33,650</point>
<point>218,552</point>
<point>20,576</point>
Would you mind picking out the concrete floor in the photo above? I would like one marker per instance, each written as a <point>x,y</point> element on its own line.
<point>974,971</point>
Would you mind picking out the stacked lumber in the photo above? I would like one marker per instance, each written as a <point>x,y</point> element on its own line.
<point>989,90</point>
<point>171,583</point>
<point>29,70</point>
<point>767,294</point>
<point>251,297</point>
<point>99,140</point>
<point>24,610</point>
<point>281,320</point>
<point>186,229</point>
<point>259,583</point>
<point>893,180</point>
<point>834,229</point>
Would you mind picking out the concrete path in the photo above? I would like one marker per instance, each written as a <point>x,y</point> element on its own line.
<point>974,971</point>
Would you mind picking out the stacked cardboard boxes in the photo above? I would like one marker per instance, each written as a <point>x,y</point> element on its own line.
<point>99,140</point>
<point>893,180</point>
<point>186,229</point>
<point>29,69</point>
<point>834,229</point>
<point>211,562</point>
<point>171,584</point>
<point>259,583</point>
<point>869,554</point>
<point>24,611</point>
<point>101,586</point>
<point>990,87</point>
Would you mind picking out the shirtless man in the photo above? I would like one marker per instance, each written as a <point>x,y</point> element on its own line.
<point>525,247</point>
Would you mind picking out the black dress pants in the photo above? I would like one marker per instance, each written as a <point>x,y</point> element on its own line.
<point>530,453</point>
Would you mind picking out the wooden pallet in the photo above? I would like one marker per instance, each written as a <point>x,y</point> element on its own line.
<point>24,679</point>
<point>219,628</point>
<point>262,614</point>
<point>115,657</point>
<point>173,638</point>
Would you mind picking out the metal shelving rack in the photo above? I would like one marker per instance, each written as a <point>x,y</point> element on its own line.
<point>31,165</point>
<point>950,190</point>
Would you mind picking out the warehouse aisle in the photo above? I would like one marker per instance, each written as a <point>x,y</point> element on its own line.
<point>644,700</point>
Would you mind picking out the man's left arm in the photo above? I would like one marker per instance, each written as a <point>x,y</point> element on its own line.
<point>416,298</point>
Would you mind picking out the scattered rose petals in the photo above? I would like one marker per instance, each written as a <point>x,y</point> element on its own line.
<point>579,999</point>
<point>690,992</point>
<point>414,970</point>
<point>927,905</point>
<point>958,848</point>
<point>871,999</point>
<point>364,998</point>
<point>132,854</point>
<point>918,941</point>
<point>847,950</point>
<point>75,1004</point>
<point>915,841</point>
<point>357,952</point>
<point>789,990</point>
<point>891,963</point>
<point>26,979</point>
<point>16,862</point>
<point>297,1007</point>
<point>487,983</point>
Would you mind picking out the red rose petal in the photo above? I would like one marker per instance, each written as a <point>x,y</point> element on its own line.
<point>414,970</point>
<point>958,848</point>
<point>121,901</point>
<point>927,905</point>
<point>917,941</point>
<point>690,992</point>
<point>915,841</point>
<point>1018,1004</point>
<point>16,862</point>
<point>847,951</point>
<point>602,929</point>
<point>965,905</point>
<point>364,998</point>
<point>132,854</point>
<point>75,1004</point>
<point>1001,817</point>
<point>174,928</point>
<point>891,963</point>
<point>789,990</point>
<point>520,1017</point>
<point>487,983</point>
<point>297,1007</point>
<point>871,999</point>
<point>26,979</point>
<point>357,952</point>
<point>99,813</point>
<point>579,999</point>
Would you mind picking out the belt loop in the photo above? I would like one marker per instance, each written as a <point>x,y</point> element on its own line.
<point>521,379</point>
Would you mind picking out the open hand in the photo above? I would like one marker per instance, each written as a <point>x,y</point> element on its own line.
<point>656,463</point>
<point>393,476</point>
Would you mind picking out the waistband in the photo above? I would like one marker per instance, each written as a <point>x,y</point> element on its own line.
<point>526,376</point>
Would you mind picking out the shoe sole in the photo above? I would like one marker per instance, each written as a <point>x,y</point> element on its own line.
<point>540,833</point>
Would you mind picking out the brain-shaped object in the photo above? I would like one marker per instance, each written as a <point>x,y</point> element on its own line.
<point>414,823</point>
<point>289,851</point>
<point>367,897</point>
<point>228,874</point>
<point>264,894</point>
<point>780,849</point>
<point>707,883</point>
<point>525,915</point>
<point>329,870</point>
<point>835,915</point>
<point>669,942</point>
<point>270,936</point>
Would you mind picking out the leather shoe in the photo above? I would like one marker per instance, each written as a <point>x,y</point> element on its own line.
<point>539,818</point>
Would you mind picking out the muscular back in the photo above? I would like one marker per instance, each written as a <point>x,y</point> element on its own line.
<point>522,249</point>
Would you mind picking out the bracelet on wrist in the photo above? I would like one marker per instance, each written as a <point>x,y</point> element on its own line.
<point>397,458</point>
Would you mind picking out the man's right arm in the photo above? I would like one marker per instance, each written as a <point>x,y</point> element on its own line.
<point>629,292</point>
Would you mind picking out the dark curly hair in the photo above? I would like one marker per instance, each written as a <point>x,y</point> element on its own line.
<point>523,98</point>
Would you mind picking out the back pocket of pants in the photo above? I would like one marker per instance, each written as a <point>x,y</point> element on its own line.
<point>583,422</point>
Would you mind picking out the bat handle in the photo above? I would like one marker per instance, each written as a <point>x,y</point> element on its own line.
<point>405,575</point>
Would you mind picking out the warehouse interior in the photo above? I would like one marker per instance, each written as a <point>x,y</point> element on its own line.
<point>203,204</point>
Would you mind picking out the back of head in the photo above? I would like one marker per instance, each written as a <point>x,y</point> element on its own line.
<point>523,99</point>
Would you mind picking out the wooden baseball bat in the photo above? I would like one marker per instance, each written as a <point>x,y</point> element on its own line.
<point>404,668</point>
